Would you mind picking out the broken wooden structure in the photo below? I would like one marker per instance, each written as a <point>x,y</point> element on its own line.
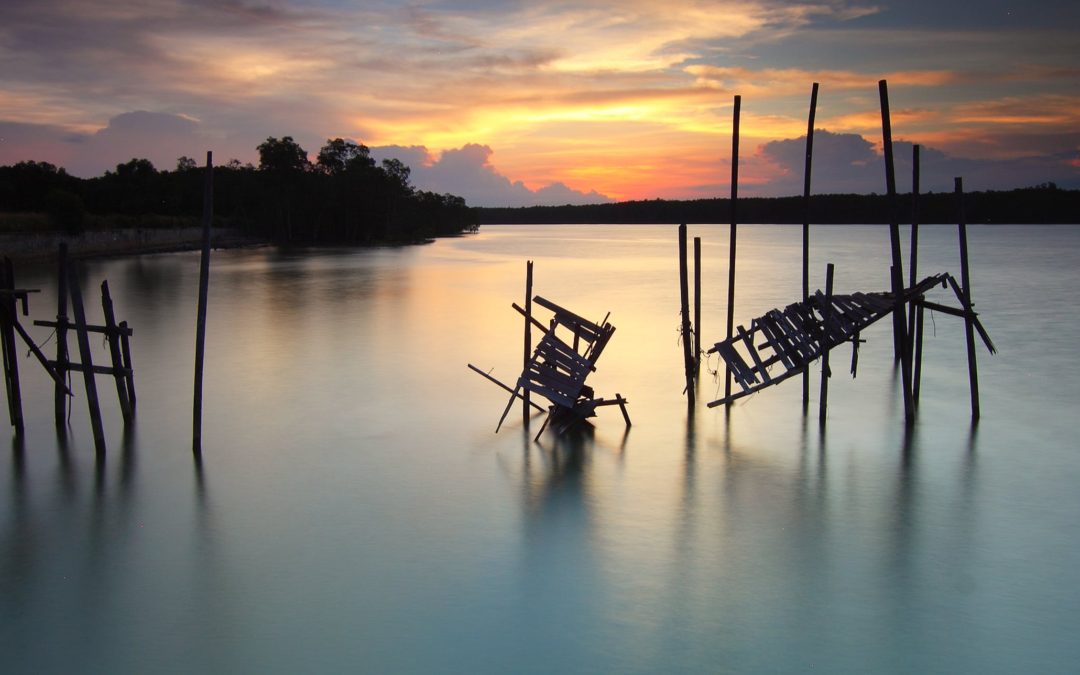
<point>798,335</point>
<point>565,354</point>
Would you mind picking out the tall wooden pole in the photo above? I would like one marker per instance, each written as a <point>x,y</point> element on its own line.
<point>899,321</point>
<point>112,335</point>
<point>87,361</point>
<point>684,311</point>
<point>823,402</point>
<point>806,226</point>
<point>965,286</point>
<point>11,352</point>
<point>59,395</point>
<point>525,400</point>
<point>733,235</point>
<point>913,273</point>
<point>204,289</point>
<point>697,306</point>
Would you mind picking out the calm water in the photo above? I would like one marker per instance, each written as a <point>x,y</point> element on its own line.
<point>356,512</point>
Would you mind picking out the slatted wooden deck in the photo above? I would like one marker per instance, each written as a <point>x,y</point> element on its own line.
<point>800,333</point>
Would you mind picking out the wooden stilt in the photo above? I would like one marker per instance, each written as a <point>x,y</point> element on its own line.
<point>125,349</point>
<point>916,378</point>
<point>11,352</point>
<point>525,400</point>
<point>965,285</point>
<point>733,233</point>
<point>86,361</point>
<point>823,402</point>
<point>806,226</point>
<point>913,271</point>
<point>59,394</point>
<point>112,335</point>
<point>684,312</point>
<point>204,288</point>
<point>697,306</point>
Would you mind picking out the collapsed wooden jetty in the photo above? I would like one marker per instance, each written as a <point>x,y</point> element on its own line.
<point>564,356</point>
<point>803,331</point>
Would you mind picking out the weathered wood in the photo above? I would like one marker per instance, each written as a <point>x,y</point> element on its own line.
<point>122,329</point>
<point>60,390</point>
<point>916,376</point>
<point>965,285</point>
<point>697,306</point>
<point>204,290</point>
<point>733,232</point>
<point>87,360</point>
<point>97,370</point>
<point>114,352</point>
<point>758,365</point>
<point>7,338</point>
<point>525,400</point>
<point>806,224</point>
<point>914,257</point>
<point>823,401</point>
<point>684,313</point>
<point>492,379</point>
<point>42,359</point>
<point>125,348</point>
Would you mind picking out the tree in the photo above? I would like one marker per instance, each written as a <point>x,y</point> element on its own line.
<point>339,156</point>
<point>284,155</point>
<point>185,163</point>
<point>398,173</point>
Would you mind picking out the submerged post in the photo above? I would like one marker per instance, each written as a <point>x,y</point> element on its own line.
<point>204,288</point>
<point>684,312</point>
<point>806,226</point>
<point>733,235</point>
<point>826,317</point>
<point>525,401</point>
<point>11,352</point>
<point>969,310</point>
<point>901,352</point>
<point>59,394</point>
<point>697,306</point>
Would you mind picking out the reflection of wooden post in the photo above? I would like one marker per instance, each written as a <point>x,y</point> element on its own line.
<point>112,334</point>
<point>826,317</point>
<point>965,281</point>
<point>204,289</point>
<point>899,322</point>
<point>697,305</point>
<point>733,234</point>
<point>916,377</point>
<point>86,361</point>
<point>59,395</point>
<point>684,312</point>
<point>525,402</point>
<point>806,227</point>
<point>11,352</point>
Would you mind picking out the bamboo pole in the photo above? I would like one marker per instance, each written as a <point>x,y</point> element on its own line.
<point>204,289</point>
<point>684,312</point>
<point>525,399</point>
<point>806,226</point>
<point>899,322</point>
<point>965,285</point>
<point>823,402</point>
<point>733,234</point>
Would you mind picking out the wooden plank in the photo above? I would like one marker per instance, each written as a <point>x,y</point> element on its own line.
<point>87,361</point>
<point>492,379</point>
<point>758,365</point>
<point>42,359</point>
<point>114,353</point>
<point>736,365</point>
<point>104,330</point>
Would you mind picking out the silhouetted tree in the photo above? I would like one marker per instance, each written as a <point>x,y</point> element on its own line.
<point>282,155</point>
<point>339,156</point>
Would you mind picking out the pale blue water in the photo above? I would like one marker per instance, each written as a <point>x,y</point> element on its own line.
<point>355,512</point>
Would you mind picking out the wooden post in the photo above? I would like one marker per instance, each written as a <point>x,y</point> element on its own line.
<point>697,306</point>
<point>11,352</point>
<point>86,361</point>
<point>806,227</point>
<point>823,403</point>
<point>916,379</point>
<point>204,289</point>
<point>112,335</point>
<point>965,284</point>
<point>733,234</point>
<point>59,395</point>
<point>525,401</point>
<point>913,271</point>
<point>125,348</point>
<point>899,321</point>
<point>684,312</point>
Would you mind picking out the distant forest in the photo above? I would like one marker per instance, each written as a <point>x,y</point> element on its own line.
<point>1036,205</point>
<point>343,197</point>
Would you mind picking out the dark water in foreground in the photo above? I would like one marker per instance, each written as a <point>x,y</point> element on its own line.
<point>355,512</point>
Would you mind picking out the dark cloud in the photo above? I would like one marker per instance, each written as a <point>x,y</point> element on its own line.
<point>468,172</point>
<point>849,163</point>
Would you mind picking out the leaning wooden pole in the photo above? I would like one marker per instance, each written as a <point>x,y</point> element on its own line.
<point>969,310</point>
<point>11,352</point>
<point>902,353</point>
<point>86,361</point>
<point>823,401</point>
<point>525,400</point>
<point>697,306</point>
<point>733,235</point>
<point>684,313</point>
<point>60,395</point>
<point>112,335</point>
<point>204,289</point>
<point>914,264</point>
<point>806,226</point>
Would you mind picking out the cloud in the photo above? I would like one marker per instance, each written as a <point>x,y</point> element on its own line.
<point>849,163</point>
<point>468,172</point>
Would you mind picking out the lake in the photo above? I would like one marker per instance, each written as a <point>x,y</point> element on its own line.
<point>356,512</point>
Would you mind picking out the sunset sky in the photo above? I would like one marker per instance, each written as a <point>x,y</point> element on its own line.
<point>516,103</point>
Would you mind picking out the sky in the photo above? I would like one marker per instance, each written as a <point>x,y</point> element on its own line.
<point>512,103</point>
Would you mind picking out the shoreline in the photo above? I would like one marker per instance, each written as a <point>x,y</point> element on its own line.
<point>128,241</point>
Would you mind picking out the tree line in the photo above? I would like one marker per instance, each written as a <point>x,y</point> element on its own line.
<point>1041,204</point>
<point>341,197</point>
